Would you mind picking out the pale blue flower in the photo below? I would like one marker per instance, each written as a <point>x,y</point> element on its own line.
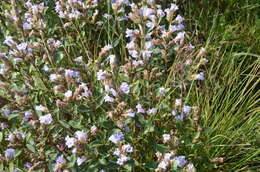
<point>9,153</point>
<point>117,137</point>
<point>124,87</point>
<point>127,148</point>
<point>186,109</point>
<point>180,160</point>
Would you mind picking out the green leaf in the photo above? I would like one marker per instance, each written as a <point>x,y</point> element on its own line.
<point>64,123</point>
<point>75,124</point>
<point>83,108</point>
<point>161,148</point>
<point>11,166</point>
<point>17,153</point>
<point>197,135</point>
<point>1,137</point>
<point>12,116</point>
<point>103,161</point>
<point>149,128</point>
<point>72,161</point>
<point>30,147</point>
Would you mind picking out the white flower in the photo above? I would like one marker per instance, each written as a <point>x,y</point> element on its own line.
<point>180,37</point>
<point>108,47</point>
<point>74,150</point>
<point>148,12</point>
<point>70,141</point>
<point>188,62</point>
<point>27,115</point>
<point>80,160</point>
<point>167,157</point>
<point>122,160</point>
<point>200,76</point>
<point>22,47</point>
<point>186,109</point>
<point>111,90</point>
<point>81,136</point>
<point>86,92</point>
<point>72,73</point>
<point>148,45</point>
<point>27,26</point>
<point>93,129</point>
<point>78,59</point>
<point>68,94</point>
<point>57,44</point>
<point>138,63</point>
<point>178,102</point>
<point>150,25</point>
<point>174,7</point>
<point>46,119</point>
<point>125,88</point>
<point>131,113</point>
<point>131,45</point>
<point>133,53</point>
<point>117,152</point>
<point>9,41</point>
<point>140,109</point>
<point>112,59</point>
<point>127,148</point>
<point>54,77</point>
<point>132,33</point>
<point>107,98</point>
<point>152,111</point>
<point>41,108</point>
<point>166,138</point>
<point>101,75</point>
<point>146,54</point>
<point>11,137</point>
<point>174,112</point>
<point>162,90</point>
<point>46,68</point>
<point>160,13</point>
<point>179,19</point>
<point>107,16</point>
<point>163,165</point>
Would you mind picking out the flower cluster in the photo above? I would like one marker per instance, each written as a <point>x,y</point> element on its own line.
<point>98,89</point>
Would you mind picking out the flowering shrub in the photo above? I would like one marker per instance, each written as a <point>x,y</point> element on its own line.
<point>97,85</point>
